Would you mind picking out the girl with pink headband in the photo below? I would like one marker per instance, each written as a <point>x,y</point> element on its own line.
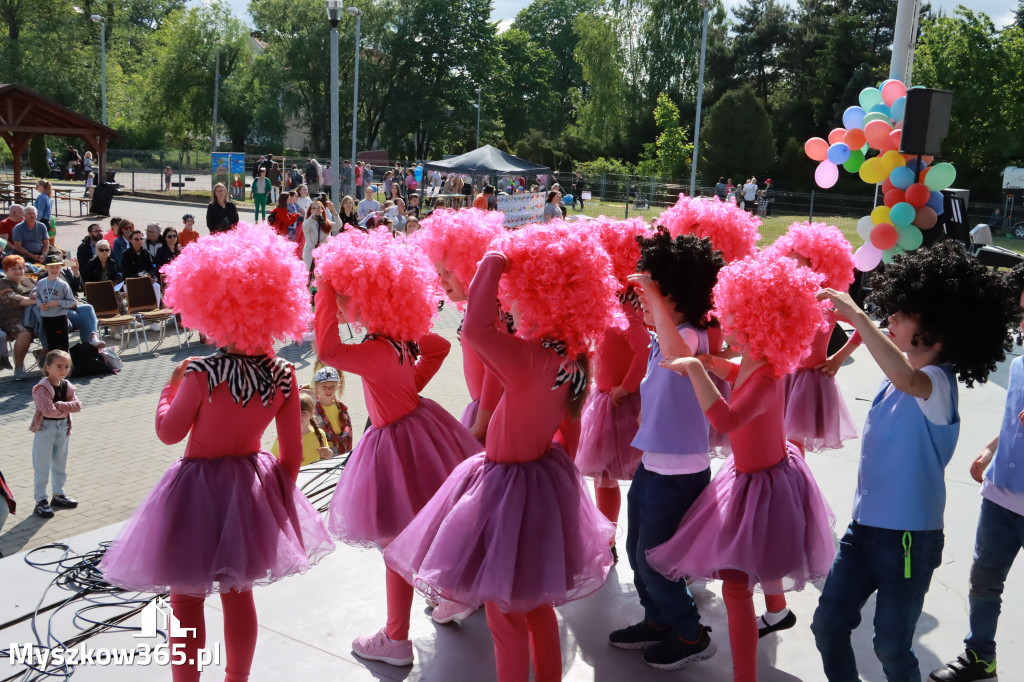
<point>227,516</point>
<point>388,288</point>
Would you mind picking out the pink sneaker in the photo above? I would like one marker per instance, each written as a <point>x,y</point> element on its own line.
<point>448,611</point>
<point>380,647</point>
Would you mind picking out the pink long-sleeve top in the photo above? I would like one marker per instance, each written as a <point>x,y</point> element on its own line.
<point>217,426</point>
<point>621,356</point>
<point>755,420</point>
<point>47,408</point>
<point>391,386</point>
<point>482,385</point>
<point>819,347</point>
<point>529,412</point>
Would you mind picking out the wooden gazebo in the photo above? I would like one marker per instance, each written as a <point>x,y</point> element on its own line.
<point>24,113</point>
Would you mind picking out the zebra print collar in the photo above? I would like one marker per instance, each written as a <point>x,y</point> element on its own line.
<point>629,296</point>
<point>246,375</point>
<point>502,317</point>
<point>570,370</point>
<point>403,348</point>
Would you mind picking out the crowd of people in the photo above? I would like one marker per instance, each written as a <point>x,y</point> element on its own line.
<point>614,350</point>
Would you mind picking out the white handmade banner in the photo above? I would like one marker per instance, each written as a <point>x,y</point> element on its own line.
<point>520,209</point>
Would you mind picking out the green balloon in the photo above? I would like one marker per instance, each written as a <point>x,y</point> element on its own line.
<point>888,254</point>
<point>940,177</point>
<point>875,116</point>
<point>909,238</point>
<point>853,163</point>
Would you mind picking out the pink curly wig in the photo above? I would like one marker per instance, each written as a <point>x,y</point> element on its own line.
<point>392,284</point>
<point>830,253</point>
<point>732,230</point>
<point>563,287</point>
<point>767,304</point>
<point>618,239</point>
<point>459,239</point>
<point>245,287</point>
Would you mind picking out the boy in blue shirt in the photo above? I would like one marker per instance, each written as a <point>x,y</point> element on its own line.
<point>948,316</point>
<point>1000,527</point>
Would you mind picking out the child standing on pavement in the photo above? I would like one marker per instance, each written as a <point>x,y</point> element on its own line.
<point>948,315</point>
<point>54,299</point>
<point>55,401</point>
<point>329,412</point>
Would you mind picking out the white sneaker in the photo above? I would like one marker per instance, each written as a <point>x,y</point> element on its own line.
<point>155,327</point>
<point>96,341</point>
<point>380,647</point>
<point>448,611</point>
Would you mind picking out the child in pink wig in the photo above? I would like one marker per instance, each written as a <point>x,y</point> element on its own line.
<point>388,288</point>
<point>612,411</point>
<point>513,527</point>
<point>227,515</point>
<point>455,241</point>
<point>816,414</point>
<point>762,519</point>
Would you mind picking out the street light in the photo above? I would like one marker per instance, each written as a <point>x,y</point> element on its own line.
<point>358,14</point>
<point>103,64</point>
<point>334,16</point>
<point>706,4</point>
<point>478,118</point>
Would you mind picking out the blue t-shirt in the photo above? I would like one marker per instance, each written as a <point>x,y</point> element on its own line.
<point>31,238</point>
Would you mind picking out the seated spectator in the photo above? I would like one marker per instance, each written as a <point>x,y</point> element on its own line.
<point>368,205</point>
<point>103,267</point>
<point>188,233</point>
<point>115,230</point>
<point>551,210</point>
<point>414,206</point>
<point>14,216</point>
<point>87,249</point>
<point>169,248</point>
<point>82,317</point>
<point>17,292</point>
<point>31,238</point>
<point>153,239</point>
<point>480,201</point>
<point>122,243</point>
<point>136,261</point>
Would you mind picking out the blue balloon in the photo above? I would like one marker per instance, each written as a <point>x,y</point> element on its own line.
<point>853,117</point>
<point>418,173</point>
<point>882,109</point>
<point>898,108</point>
<point>935,202</point>
<point>902,214</point>
<point>916,166</point>
<point>902,177</point>
<point>838,153</point>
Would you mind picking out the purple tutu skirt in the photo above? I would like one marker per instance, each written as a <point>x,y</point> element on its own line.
<point>520,535</point>
<point>606,433</point>
<point>718,443</point>
<point>468,417</point>
<point>216,525</point>
<point>394,471</point>
<point>773,525</point>
<point>816,412</point>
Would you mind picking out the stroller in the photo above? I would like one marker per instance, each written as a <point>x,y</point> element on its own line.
<point>638,200</point>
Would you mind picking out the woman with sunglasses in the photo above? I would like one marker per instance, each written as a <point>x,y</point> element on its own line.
<point>169,248</point>
<point>102,267</point>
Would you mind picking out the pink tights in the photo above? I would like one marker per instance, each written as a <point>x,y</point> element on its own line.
<point>399,605</point>
<point>739,604</point>
<point>239,634</point>
<point>522,638</point>
<point>609,502</point>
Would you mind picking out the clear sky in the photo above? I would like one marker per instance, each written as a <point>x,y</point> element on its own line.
<point>1000,11</point>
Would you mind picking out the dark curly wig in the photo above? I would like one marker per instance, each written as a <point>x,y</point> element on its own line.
<point>958,302</point>
<point>685,268</point>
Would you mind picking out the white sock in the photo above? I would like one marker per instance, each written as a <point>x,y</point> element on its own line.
<point>774,618</point>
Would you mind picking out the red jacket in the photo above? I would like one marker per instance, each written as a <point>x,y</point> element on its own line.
<point>280,219</point>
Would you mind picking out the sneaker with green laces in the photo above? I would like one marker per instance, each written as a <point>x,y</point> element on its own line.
<point>966,668</point>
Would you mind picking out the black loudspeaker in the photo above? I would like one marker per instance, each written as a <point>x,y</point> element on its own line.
<point>925,121</point>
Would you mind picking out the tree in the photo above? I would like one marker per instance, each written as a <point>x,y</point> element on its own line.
<point>737,138</point>
<point>603,112</point>
<point>526,73</point>
<point>763,29</point>
<point>673,147</point>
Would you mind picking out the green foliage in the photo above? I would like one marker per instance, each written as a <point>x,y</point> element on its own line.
<point>37,156</point>
<point>673,147</point>
<point>602,115</point>
<point>601,166</point>
<point>736,139</point>
<point>527,71</point>
<point>763,28</point>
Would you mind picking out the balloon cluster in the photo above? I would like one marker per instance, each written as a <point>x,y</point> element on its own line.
<point>911,186</point>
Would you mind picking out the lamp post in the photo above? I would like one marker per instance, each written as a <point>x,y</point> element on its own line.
<point>358,14</point>
<point>478,118</point>
<point>334,16</point>
<point>103,64</point>
<point>706,4</point>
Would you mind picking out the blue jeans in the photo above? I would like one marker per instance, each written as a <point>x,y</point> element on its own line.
<point>655,505</point>
<point>1000,536</point>
<point>869,560</point>
<point>50,457</point>
<point>83,318</point>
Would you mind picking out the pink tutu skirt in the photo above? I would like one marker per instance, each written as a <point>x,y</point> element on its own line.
<point>773,525</point>
<point>394,471</point>
<point>468,417</point>
<point>216,525</point>
<point>607,430</point>
<point>816,412</point>
<point>520,535</point>
<point>718,443</point>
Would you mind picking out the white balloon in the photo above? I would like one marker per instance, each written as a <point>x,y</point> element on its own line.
<point>864,226</point>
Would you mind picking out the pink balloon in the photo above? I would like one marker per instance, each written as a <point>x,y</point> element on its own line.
<point>837,135</point>
<point>892,91</point>
<point>816,149</point>
<point>867,258</point>
<point>877,133</point>
<point>826,174</point>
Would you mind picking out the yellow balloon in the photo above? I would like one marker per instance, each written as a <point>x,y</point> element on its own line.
<point>872,171</point>
<point>880,214</point>
<point>892,160</point>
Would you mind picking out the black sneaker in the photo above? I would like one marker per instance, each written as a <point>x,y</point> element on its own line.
<point>965,668</point>
<point>641,635</point>
<point>43,509</point>
<point>764,628</point>
<point>615,555</point>
<point>5,362</point>
<point>63,502</point>
<point>675,652</point>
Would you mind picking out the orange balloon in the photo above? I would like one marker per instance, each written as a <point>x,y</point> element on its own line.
<point>854,138</point>
<point>816,149</point>
<point>837,135</point>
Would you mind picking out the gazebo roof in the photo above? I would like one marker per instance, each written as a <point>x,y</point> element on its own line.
<point>25,112</point>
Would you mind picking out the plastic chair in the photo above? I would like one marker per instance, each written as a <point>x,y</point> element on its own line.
<point>143,305</point>
<point>102,298</point>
